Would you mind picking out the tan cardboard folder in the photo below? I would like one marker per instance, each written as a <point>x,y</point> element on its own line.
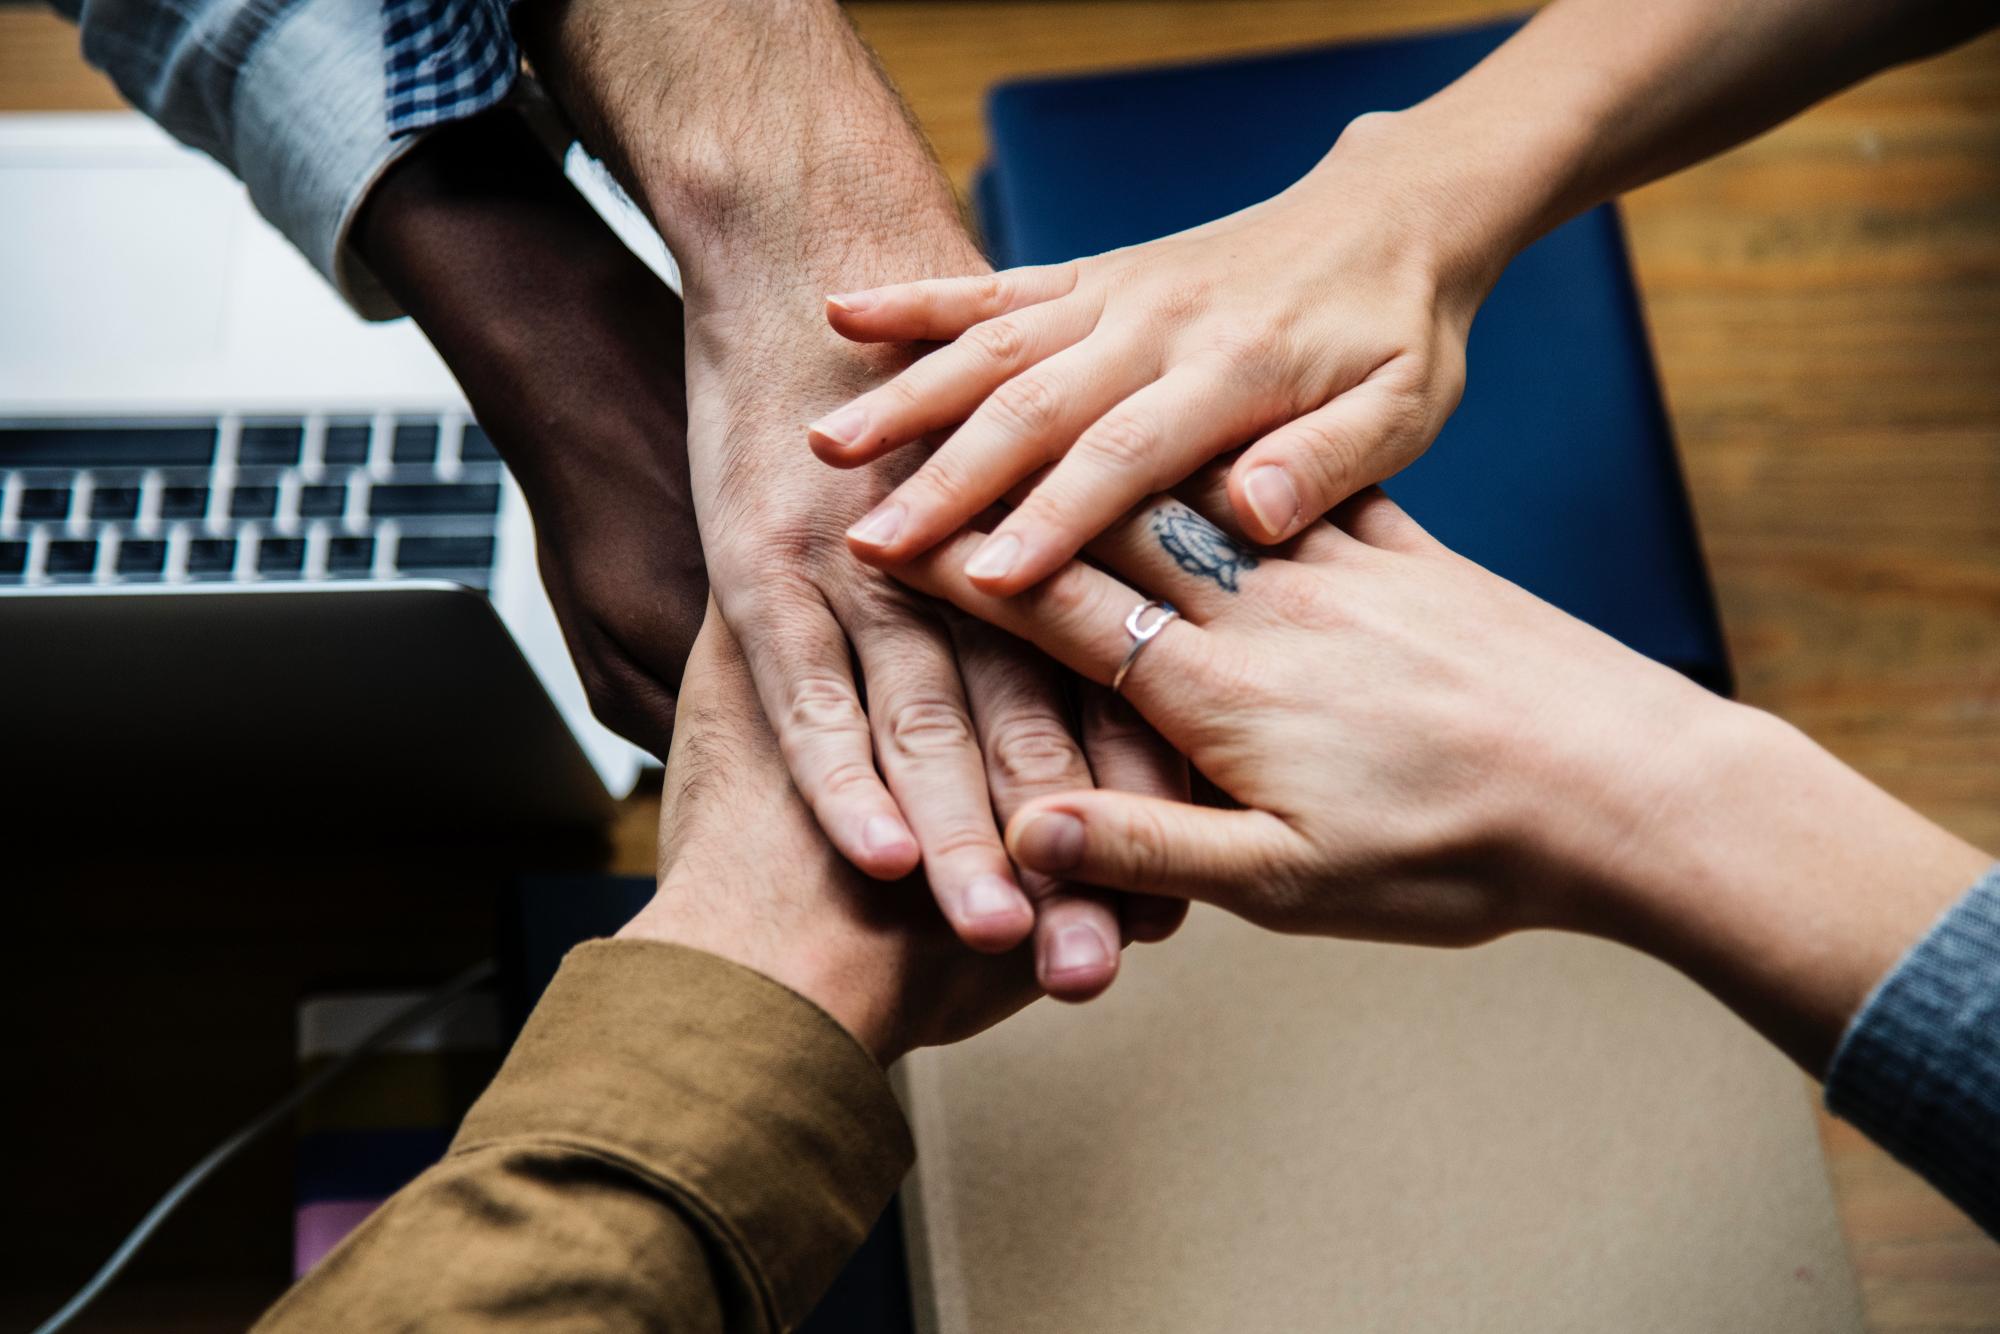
<point>1255,1133</point>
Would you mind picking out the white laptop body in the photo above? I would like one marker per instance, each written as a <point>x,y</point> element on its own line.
<point>138,285</point>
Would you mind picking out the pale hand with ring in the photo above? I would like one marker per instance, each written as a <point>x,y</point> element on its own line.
<point>1426,753</point>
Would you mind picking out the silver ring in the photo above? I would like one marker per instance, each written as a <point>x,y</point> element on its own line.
<point>1143,632</point>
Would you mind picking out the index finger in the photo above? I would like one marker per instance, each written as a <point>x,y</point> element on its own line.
<point>936,309</point>
<point>799,662</point>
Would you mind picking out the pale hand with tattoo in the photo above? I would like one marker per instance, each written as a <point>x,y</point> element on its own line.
<point>1426,753</point>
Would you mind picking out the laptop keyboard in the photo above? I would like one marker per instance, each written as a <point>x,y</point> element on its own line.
<point>245,499</point>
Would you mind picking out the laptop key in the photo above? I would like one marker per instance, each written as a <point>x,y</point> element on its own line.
<point>475,447</point>
<point>44,502</point>
<point>347,440</point>
<point>114,502</point>
<point>70,561</point>
<point>211,558</point>
<point>350,556</point>
<point>444,553</point>
<point>13,560</point>
<point>183,502</point>
<point>386,502</point>
<point>322,502</point>
<point>253,502</point>
<point>141,558</point>
<point>273,442</point>
<point>177,445</point>
<point>281,556</point>
<point>416,441</point>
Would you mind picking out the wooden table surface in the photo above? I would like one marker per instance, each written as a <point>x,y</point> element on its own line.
<point>1825,303</point>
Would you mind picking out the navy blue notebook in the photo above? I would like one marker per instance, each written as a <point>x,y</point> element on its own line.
<point>1557,471</point>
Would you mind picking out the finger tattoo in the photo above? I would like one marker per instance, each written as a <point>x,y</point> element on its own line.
<point>1199,547</point>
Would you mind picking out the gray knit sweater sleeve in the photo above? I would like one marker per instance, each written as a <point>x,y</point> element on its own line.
<point>1919,1068</point>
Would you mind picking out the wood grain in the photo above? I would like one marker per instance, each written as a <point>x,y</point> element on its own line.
<point>1825,303</point>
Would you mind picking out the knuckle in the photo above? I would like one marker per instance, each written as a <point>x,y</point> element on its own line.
<point>1034,753</point>
<point>820,704</point>
<point>1291,601</point>
<point>968,838</point>
<point>848,776</point>
<point>924,727</point>
<point>1026,403</point>
<point>1243,687</point>
<point>1244,352</point>
<point>1063,596</point>
<point>1408,428</point>
<point>988,291</point>
<point>900,395</point>
<point>1182,299</point>
<point>769,559</point>
<point>943,478</point>
<point>1331,458</point>
<point>1122,443</point>
<point>1407,413</point>
<point>1143,848</point>
<point>1444,381</point>
<point>999,342</point>
<point>1121,734</point>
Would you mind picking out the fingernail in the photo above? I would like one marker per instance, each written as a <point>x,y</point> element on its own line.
<point>995,557</point>
<point>879,529</point>
<point>1272,498</point>
<point>885,833</point>
<point>852,301</point>
<point>991,896</point>
<point>844,426</point>
<point>1050,842</point>
<point>1077,948</point>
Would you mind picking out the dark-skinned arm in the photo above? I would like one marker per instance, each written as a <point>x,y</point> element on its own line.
<point>569,351</point>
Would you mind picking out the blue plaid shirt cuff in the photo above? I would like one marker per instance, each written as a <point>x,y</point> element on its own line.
<point>446,60</point>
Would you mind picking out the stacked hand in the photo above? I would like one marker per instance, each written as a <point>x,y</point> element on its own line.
<point>1330,321</point>
<point>1390,716</point>
<point>1424,752</point>
<point>1420,748</point>
<point>959,723</point>
<point>876,957</point>
<point>575,364</point>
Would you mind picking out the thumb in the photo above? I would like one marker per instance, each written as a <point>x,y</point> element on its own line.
<point>1298,472</point>
<point>1149,845</point>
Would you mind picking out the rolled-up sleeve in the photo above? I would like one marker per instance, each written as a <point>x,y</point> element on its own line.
<point>291,96</point>
<point>674,1143</point>
<point>1919,1066</point>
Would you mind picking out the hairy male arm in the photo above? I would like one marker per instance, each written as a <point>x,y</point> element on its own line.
<point>764,141</point>
<point>779,165</point>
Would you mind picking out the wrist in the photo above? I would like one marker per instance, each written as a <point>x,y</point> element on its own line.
<point>782,257</point>
<point>1470,190</point>
<point>1647,806</point>
<point>541,312</point>
<point>1763,868</point>
<point>827,968</point>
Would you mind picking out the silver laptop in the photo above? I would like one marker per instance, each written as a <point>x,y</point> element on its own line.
<point>256,559</point>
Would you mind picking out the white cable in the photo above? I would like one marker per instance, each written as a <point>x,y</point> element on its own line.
<point>395,1026</point>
